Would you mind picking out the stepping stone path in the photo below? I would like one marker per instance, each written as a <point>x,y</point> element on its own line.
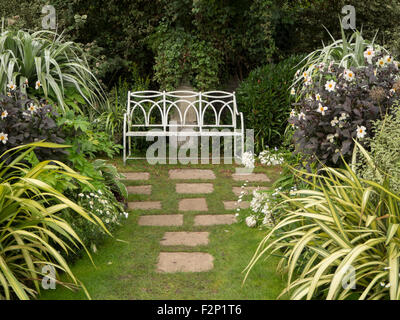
<point>144,205</point>
<point>250,177</point>
<point>136,175</point>
<point>232,205</point>
<point>139,189</point>
<point>214,219</point>
<point>247,190</point>
<point>194,188</point>
<point>170,262</point>
<point>191,174</point>
<point>161,220</point>
<point>185,262</point>
<point>190,239</point>
<point>196,204</point>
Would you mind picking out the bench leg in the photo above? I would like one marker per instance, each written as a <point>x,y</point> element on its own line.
<point>129,146</point>
<point>124,155</point>
<point>234,147</point>
<point>242,143</point>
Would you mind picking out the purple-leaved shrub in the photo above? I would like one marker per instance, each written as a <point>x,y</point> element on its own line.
<point>335,105</point>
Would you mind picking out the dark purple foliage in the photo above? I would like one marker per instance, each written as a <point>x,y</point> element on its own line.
<point>26,121</point>
<point>354,104</point>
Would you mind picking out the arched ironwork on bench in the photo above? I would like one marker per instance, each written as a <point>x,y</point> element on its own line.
<point>167,105</point>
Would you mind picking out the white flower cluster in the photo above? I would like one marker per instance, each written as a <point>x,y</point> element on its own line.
<point>248,159</point>
<point>260,205</point>
<point>258,200</point>
<point>98,204</point>
<point>251,221</point>
<point>270,158</point>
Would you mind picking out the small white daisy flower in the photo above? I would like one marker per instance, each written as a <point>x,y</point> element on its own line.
<point>38,84</point>
<point>380,63</point>
<point>3,137</point>
<point>302,116</point>
<point>32,108</point>
<point>388,59</point>
<point>307,81</point>
<point>251,221</point>
<point>330,86</point>
<point>321,109</point>
<point>330,138</point>
<point>11,86</point>
<point>334,122</point>
<point>349,75</point>
<point>4,114</point>
<point>361,132</point>
<point>369,54</point>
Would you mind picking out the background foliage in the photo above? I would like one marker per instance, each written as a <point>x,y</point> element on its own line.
<point>385,151</point>
<point>264,97</point>
<point>246,33</point>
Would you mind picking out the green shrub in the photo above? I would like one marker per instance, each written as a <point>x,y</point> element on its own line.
<point>111,117</point>
<point>293,21</point>
<point>341,221</point>
<point>100,203</point>
<point>385,151</point>
<point>182,57</point>
<point>87,143</point>
<point>104,197</point>
<point>85,138</point>
<point>264,98</point>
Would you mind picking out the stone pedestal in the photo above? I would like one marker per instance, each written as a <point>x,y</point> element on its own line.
<point>183,105</point>
<point>191,118</point>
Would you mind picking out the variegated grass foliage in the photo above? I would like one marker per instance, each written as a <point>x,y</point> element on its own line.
<point>31,230</point>
<point>341,221</point>
<point>49,63</point>
<point>346,52</point>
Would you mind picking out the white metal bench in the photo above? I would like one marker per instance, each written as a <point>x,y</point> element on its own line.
<point>157,109</point>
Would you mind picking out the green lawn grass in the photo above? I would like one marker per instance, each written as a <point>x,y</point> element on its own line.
<point>127,269</point>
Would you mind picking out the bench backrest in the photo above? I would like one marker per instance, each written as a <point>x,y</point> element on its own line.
<point>175,108</point>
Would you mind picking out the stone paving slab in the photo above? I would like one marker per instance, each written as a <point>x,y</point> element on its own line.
<point>136,175</point>
<point>251,177</point>
<point>139,189</point>
<point>190,239</point>
<point>161,220</point>
<point>209,219</point>
<point>247,190</point>
<point>186,174</point>
<point>145,205</point>
<point>184,262</point>
<point>195,204</point>
<point>194,187</point>
<point>232,205</point>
